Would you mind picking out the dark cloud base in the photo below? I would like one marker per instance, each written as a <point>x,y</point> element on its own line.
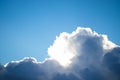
<point>29,70</point>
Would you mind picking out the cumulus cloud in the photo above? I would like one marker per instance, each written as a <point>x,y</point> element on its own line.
<point>81,55</point>
<point>82,42</point>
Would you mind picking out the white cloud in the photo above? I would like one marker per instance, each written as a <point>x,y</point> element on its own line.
<point>80,55</point>
<point>66,46</point>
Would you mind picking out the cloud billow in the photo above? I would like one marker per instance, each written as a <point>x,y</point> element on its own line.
<point>80,55</point>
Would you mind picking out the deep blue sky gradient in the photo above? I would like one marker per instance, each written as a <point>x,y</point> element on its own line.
<point>29,27</point>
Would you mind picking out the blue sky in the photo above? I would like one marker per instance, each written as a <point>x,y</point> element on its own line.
<point>29,27</point>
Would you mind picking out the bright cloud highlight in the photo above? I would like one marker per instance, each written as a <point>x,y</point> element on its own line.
<point>66,46</point>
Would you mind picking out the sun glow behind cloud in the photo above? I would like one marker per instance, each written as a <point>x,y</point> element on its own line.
<point>61,51</point>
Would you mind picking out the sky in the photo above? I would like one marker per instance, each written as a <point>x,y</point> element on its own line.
<point>29,27</point>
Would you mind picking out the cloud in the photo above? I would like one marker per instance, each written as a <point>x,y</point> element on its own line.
<point>81,42</point>
<point>29,69</point>
<point>112,61</point>
<point>80,55</point>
